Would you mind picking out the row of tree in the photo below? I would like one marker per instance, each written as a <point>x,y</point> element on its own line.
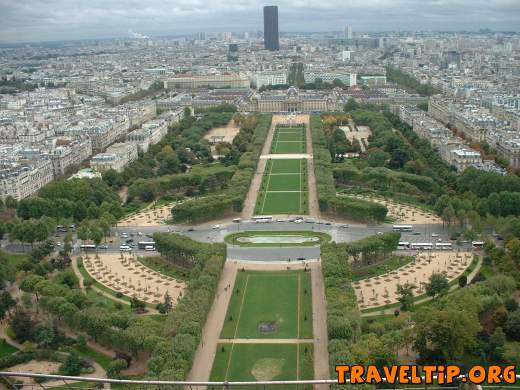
<point>247,145</point>
<point>325,184</point>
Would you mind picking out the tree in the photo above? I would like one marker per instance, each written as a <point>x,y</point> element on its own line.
<point>512,325</point>
<point>6,303</point>
<point>166,306</point>
<point>72,365</point>
<point>137,304</point>
<point>83,233</point>
<point>115,367</point>
<point>513,247</point>
<point>448,215</point>
<point>463,281</point>
<point>23,326</point>
<point>96,235</point>
<point>446,332</point>
<point>405,292</point>
<point>438,285</point>
<point>44,334</point>
<point>10,202</point>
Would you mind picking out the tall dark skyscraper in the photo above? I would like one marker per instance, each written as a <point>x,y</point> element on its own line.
<point>271,41</point>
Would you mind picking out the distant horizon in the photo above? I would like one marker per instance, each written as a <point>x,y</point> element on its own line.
<point>34,21</point>
<point>483,31</point>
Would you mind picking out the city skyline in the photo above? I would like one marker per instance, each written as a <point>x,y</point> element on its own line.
<point>34,21</point>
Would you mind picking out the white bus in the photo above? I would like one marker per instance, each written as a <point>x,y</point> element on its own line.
<point>263,218</point>
<point>403,245</point>
<point>422,245</point>
<point>402,228</point>
<point>87,247</point>
<point>477,244</point>
<point>144,244</point>
<point>443,246</point>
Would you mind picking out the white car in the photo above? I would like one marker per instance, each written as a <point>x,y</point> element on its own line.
<point>125,248</point>
<point>298,220</point>
<point>124,235</point>
<point>215,227</point>
<point>435,235</point>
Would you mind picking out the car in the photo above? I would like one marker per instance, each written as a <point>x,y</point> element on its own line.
<point>344,226</point>
<point>300,258</point>
<point>190,230</point>
<point>435,235</point>
<point>130,240</point>
<point>132,234</point>
<point>125,248</point>
<point>236,220</point>
<point>280,220</point>
<point>151,235</point>
<point>298,221</point>
<point>139,233</point>
<point>215,227</point>
<point>149,248</point>
<point>379,233</point>
<point>58,244</point>
<point>103,246</point>
<point>439,240</point>
<point>328,223</point>
<point>416,233</point>
<point>124,235</point>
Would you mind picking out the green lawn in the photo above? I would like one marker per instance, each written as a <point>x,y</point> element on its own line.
<point>252,362</point>
<point>270,297</point>
<point>6,349</point>
<point>289,140</point>
<point>284,188</point>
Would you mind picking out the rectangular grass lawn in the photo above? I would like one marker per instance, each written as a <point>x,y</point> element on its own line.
<point>289,140</point>
<point>253,362</point>
<point>281,298</point>
<point>284,188</point>
<point>283,203</point>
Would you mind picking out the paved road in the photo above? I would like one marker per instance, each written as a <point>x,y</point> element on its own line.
<point>206,233</point>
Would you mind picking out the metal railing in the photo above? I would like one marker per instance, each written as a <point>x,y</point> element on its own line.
<point>50,381</point>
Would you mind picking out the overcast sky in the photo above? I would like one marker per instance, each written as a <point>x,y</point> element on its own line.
<point>39,20</point>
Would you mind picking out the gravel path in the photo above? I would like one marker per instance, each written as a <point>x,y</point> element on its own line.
<point>319,326</point>
<point>205,354</point>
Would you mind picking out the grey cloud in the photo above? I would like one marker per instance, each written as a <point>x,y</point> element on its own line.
<point>29,20</point>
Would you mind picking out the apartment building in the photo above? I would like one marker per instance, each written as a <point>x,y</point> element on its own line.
<point>236,80</point>
<point>116,157</point>
<point>348,79</point>
<point>102,132</point>
<point>69,153</point>
<point>20,180</point>
<point>149,134</point>
<point>258,80</point>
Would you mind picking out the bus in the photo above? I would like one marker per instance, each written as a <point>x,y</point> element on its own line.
<point>443,246</point>
<point>263,219</point>
<point>477,244</point>
<point>403,245</point>
<point>402,228</point>
<point>87,247</point>
<point>144,244</point>
<point>422,245</point>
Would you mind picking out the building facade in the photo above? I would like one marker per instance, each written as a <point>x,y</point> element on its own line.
<point>271,37</point>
